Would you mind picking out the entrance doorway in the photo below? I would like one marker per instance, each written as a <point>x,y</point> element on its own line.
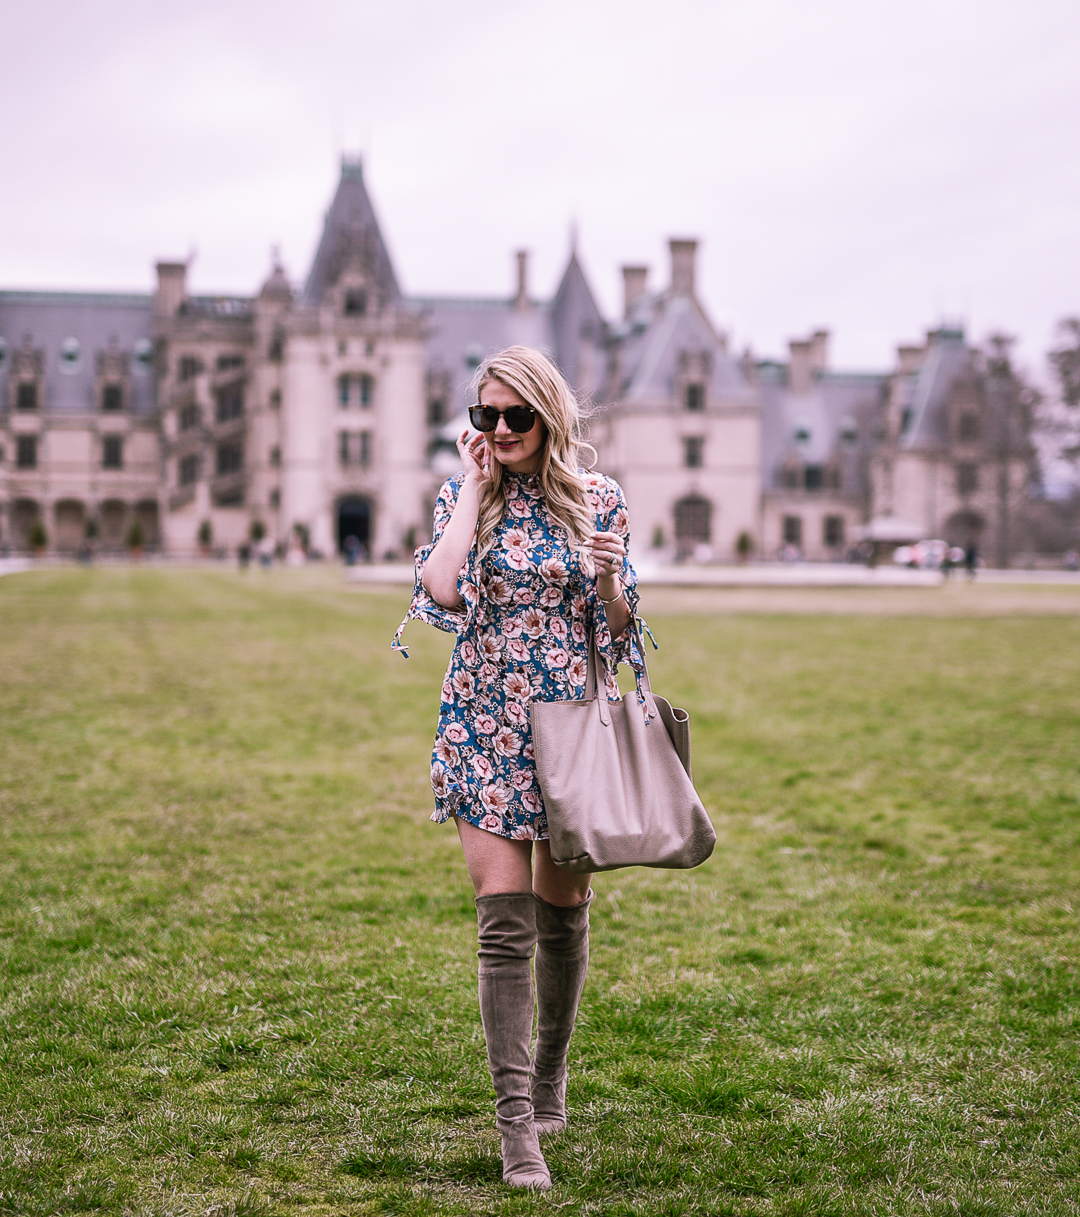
<point>354,528</point>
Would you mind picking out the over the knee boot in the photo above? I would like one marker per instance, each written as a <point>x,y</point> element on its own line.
<point>562,960</point>
<point>507,932</point>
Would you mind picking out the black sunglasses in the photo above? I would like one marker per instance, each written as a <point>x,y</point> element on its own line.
<point>518,418</point>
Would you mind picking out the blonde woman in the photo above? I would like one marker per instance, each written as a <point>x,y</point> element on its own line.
<point>528,559</point>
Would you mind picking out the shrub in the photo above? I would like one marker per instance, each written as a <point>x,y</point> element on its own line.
<point>206,534</point>
<point>38,537</point>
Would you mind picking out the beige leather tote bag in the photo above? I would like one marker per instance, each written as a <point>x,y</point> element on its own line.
<point>616,781</point>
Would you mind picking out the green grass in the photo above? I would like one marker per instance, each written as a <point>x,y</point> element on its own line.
<point>238,961</point>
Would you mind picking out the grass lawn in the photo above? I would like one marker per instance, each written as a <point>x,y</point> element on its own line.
<point>237,969</point>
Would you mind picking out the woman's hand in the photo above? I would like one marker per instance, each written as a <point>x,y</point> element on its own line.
<point>475,458</point>
<point>608,551</point>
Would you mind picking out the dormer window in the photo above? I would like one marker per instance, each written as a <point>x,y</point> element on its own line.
<point>694,395</point>
<point>355,302</point>
<point>112,397</point>
<point>69,354</point>
<point>968,429</point>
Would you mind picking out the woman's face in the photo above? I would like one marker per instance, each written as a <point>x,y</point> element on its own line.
<point>518,453</point>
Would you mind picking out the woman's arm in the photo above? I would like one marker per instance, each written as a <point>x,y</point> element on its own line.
<point>608,552</point>
<point>444,563</point>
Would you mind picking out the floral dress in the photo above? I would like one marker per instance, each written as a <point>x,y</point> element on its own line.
<point>523,630</point>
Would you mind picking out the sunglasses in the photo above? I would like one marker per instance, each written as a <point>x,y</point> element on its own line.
<point>518,418</point>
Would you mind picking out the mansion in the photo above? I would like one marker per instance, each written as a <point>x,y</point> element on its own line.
<point>190,423</point>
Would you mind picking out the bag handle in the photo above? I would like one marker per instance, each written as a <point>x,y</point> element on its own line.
<point>644,685</point>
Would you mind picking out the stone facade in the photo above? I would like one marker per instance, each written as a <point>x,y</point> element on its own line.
<point>195,423</point>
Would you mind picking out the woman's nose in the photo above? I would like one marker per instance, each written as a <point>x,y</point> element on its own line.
<point>501,429</point>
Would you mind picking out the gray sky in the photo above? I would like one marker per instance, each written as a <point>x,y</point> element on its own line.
<point>872,167</point>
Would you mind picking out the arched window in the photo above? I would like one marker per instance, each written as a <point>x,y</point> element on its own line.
<point>693,519</point>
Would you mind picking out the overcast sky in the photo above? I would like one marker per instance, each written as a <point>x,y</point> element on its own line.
<point>871,166</point>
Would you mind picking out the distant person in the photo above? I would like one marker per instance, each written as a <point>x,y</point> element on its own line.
<point>1072,560</point>
<point>971,559</point>
<point>528,559</point>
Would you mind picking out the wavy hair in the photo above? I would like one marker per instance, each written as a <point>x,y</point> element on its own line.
<point>538,382</point>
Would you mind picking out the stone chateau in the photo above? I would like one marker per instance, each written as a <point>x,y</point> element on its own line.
<point>192,422</point>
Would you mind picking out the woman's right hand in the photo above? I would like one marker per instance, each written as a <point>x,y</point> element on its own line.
<point>475,458</point>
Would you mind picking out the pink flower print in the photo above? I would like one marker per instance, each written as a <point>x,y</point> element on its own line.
<point>464,685</point>
<point>468,653</point>
<point>517,649</point>
<point>515,538</point>
<point>551,596</point>
<point>469,593</point>
<point>456,733</point>
<point>524,595</point>
<point>578,632</point>
<point>516,714</point>
<point>495,798</point>
<point>519,506</point>
<point>446,752</point>
<point>517,685</point>
<point>578,606</point>
<point>488,673</point>
<point>498,589</point>
<point>619,522</point>
<point>533,621</point>
<point>518,559</point>
<point>439,782</point>
<point>554,571</point>
<point>507,742</point>
<point>490,646</point>
<point>528,752</point>
<point>532,802</point>
<point>485,724</point>
<point>577,670</point>
<point>522,779</point>
<point>612,687</point>
<point>523,832</point>
<point>482,767</point>
<point>447,693</point>
<point>491,823</point>
<point>511,628</point>
<point>555,657</point>
<point>559,629</point>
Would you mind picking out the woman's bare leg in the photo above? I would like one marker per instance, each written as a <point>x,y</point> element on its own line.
<point>557,886</point>
<point>496,864</point>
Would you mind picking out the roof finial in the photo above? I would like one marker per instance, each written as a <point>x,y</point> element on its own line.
<point>573,237</point>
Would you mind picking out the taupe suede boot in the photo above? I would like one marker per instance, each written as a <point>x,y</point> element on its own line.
<point>562,960</point>
<point>507,932</point>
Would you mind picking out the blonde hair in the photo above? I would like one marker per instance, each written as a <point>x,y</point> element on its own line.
<point>540,384</point>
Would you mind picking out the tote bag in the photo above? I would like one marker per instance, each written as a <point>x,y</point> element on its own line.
<point>616,779</point>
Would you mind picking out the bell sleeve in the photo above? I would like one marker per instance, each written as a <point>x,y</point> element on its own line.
<point>612,516</point>
<point>423,607</point>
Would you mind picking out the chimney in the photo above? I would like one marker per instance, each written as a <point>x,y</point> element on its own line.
<point>819,350</point>
<point>521,300</point>
<point>800,368</point>
<point>908,358</point>
<point>171,288</point>
<point>682,266</point>
<point>633,278</point>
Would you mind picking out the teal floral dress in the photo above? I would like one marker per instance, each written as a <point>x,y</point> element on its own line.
<point>523,629</point>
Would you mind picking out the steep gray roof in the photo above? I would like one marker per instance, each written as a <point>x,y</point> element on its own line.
<point>574,318</point>
<point>837,402</point>
<point>351,235</point>
<point>658,331</point>
<point>948,359</point>
<point>84,324</point>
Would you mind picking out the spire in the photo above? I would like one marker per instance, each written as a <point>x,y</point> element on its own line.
<point>351,240</point>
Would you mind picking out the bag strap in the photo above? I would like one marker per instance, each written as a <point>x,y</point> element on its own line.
<point>641,679</point>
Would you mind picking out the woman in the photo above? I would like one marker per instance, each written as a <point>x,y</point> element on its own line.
<point>528,558</point>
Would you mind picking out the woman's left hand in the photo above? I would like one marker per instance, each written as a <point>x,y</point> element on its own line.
<point>608,551</point>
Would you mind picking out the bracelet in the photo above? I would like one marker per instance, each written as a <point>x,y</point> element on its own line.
<point>618,596</point>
